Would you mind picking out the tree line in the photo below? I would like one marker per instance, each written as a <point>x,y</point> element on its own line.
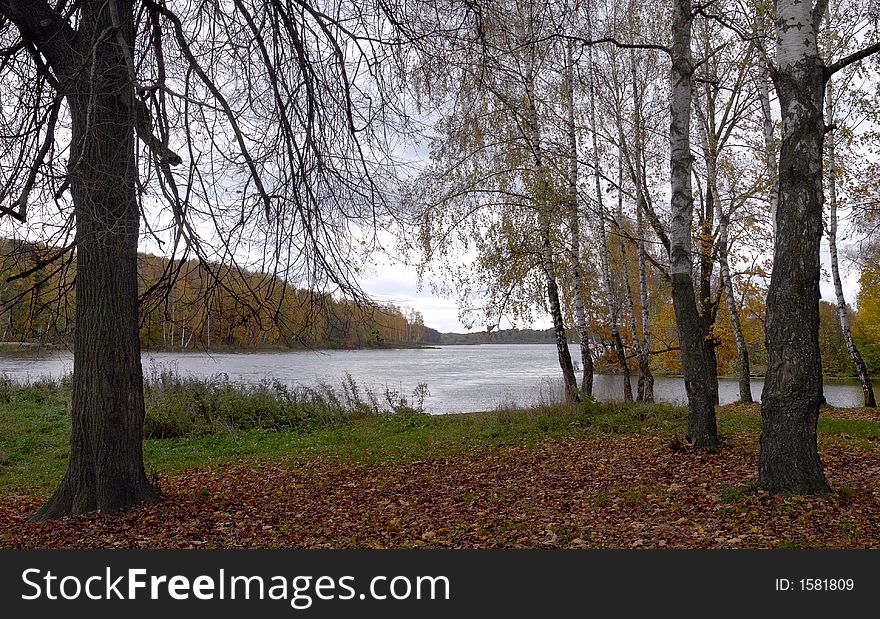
<point>248,311</point>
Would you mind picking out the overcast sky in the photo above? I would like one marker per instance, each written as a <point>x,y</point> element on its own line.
<point>398,283</point>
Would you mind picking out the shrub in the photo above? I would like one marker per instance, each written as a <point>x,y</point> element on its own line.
<point>179,405</point>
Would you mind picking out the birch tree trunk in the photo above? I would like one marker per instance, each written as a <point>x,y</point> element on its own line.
<point>788,459</point>
<point>627,289</point>
<point>702,429</point>
<point>710,149</point>
<point>574,226</point>
<point>645,388</point>
<point>610,304</point>
<point>548,261</point>
<point>646,378</point>
<point>842,315</point>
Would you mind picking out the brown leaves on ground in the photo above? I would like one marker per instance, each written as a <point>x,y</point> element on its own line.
<point>851,414</point>
<point>619,491</point>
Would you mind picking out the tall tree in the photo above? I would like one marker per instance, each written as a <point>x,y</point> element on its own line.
<point>611,304</point>
<point>646,378</point>
<point>724,104</point>
<point>263,99</point>
<point>702,429</point>
<point>501,179</point>
<point>574,218</point>
<point>842,310</point>
<point>789,458</point>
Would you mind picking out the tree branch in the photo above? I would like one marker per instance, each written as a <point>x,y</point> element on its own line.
<point>852,58</point>
<point>43,26</point>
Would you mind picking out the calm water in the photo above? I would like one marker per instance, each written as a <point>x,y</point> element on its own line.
<point>459,378</point>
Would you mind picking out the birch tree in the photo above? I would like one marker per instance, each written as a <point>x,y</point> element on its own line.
<point>601,215</point>
<point>832,166</point>
<point>788,456</point>
<point>574,217</point>
<point>725,103</point>
<point>501,179</point>
<point>702,429</point>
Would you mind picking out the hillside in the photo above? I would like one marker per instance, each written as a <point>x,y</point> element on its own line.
<point>186,306</point>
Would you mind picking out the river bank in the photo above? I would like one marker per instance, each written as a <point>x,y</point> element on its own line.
<point>598,475</point>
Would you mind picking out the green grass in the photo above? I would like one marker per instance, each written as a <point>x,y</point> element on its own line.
<point>34,428</point>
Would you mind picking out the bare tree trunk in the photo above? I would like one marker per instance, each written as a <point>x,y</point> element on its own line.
<point>562,350</point>
<point>627,288</point>
<point>788,459</point>
<point>711,154</point>
<point>707,307</point>
<point>106,470</point>
<point>574,226</point>
<point>646,378</point>
<point>547,257</point>
<point>610,305</point>
<point>702,430</point>
<point>742,350</point>
<point>705,304</point>
<point>842,315</point>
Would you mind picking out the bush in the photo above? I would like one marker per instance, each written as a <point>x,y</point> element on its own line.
<point>37,392</point>
<point>184,405</point>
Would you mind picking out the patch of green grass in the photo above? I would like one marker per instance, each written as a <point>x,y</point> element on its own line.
<point>34,434</point>
<point>849,529</point>
<point>862,433</point>
<point>268,423</point>
<point>734,494</point>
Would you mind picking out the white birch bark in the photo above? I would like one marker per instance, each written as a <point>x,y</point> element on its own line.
<point>574,226</point>
<point>842,314</point>
<point>646,379</point>
<point>604,265</point>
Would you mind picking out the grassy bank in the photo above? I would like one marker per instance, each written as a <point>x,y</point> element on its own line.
<point>195,423</point>
<point>266,466</point>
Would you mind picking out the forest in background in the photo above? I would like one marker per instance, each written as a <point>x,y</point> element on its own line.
<point>36,306</point>
<point>197,309</point>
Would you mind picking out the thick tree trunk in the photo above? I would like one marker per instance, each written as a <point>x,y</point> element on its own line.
<point>106,470</point>
<point>702,430</point>
<point>842,314</point>
<point>575,227</point>
<point>789,458</point>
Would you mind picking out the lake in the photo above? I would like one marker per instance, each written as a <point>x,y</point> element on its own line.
<point>459,378</point>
